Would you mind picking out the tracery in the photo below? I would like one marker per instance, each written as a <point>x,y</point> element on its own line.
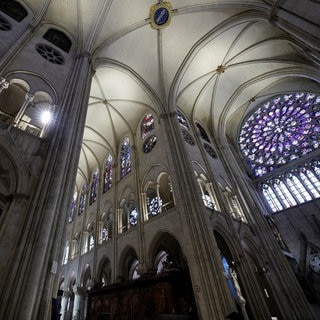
<point>283,131</point>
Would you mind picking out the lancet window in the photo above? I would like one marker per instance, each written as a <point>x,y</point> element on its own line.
<point>125,157</point>
<point>73,207</point>
<point>294,186</point>
<point>94,187</point>
<point>107,176</point>
<point>83,199</point>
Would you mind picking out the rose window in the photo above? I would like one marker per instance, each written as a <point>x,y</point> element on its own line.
<point>282,130</point>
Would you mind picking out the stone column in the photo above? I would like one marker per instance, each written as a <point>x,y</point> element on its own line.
<point>77,304</point>
<point>64,303</point>
<point>28,99</point>
<point>83,315</point>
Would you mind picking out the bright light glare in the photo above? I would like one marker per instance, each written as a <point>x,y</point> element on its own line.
<point>46,117</point>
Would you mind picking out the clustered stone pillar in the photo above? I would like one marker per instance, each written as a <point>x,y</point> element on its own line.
<point>77,304</point>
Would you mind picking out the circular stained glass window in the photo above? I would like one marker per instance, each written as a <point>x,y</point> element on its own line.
<point>280,131</point>
<point>4,24</point>
<point>161,16</point>
<point>50,54</point>
<point>149,144</point>
<point>187,137</point>
<point>210,150</point>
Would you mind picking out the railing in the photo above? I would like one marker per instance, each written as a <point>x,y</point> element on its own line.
<point>22,124</point>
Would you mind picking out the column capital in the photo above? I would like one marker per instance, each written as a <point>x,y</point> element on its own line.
<point>67,294</point>
<point>3,84</point>
<point>78,290</point>
<point>29,97</point>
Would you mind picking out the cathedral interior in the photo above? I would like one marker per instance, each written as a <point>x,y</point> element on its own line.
<point>159,160</point>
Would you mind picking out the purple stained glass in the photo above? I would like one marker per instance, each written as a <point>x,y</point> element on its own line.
<point>83,199</point>
<point>93,189</point>
<point>147,125</point>
<point>107,177</point>
<point>182,119</point>
<point>125,157</point>
<point>283,129</point>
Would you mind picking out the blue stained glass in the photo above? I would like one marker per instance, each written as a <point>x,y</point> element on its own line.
<point>182,120</point>
<point>83,199</point>
<point>133,217</point>
<point>107,177</point>
<point>125,158</point>
<point>161,16</point>
<point>153,203</point>
<point>281,129</point>
<point>93,190</point>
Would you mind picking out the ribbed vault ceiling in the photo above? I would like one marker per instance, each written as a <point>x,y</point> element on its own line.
<point>216,60</point>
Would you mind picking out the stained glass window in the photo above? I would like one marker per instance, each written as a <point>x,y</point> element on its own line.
<point>93,189</point>
<point>153,203</point>
<point>73,207</point>
<point>83,199</point>
<point>202,132</point>
<point>147,125</point>
<point>188,137</point>
<point>104,233</point>
<point>271,198</point>
<point>295,186</point>
<point>107,176</point>
<point>133,217</point>
<point>282,130</point>
<point>125,157</point>
<point>182,119</point>
<point>149,144</point>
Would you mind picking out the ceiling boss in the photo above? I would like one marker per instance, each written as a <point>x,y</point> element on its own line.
<point>160,15</point>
